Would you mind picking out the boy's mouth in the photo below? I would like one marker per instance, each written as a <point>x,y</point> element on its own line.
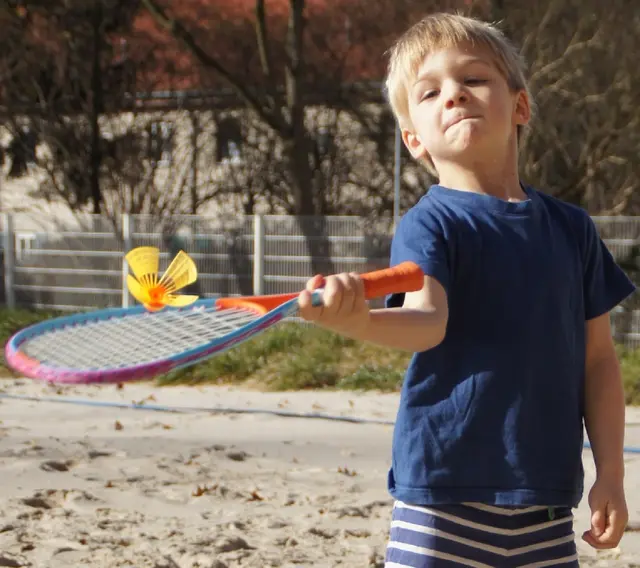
<point>457,120</point>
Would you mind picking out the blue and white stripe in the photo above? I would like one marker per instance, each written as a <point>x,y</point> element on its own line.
<point>481,536</point>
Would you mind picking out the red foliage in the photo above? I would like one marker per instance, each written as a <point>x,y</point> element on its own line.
<point>344,40</point>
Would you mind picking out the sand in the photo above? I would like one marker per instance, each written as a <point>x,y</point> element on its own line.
<point>89,486</point>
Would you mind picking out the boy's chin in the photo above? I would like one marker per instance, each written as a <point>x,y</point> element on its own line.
<point>467,138</point>
<point>472,159</point>
<point>468,153</point>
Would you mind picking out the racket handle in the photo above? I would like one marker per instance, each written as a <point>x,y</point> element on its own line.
<point>404,277</point>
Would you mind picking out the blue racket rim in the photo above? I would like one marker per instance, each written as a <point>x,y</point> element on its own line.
<point>34,369</point>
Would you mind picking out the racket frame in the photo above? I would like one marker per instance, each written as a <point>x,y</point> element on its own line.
<point>34,369</point>
<point>269,310</point>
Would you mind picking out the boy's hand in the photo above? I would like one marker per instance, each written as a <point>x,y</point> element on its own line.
<point>609,514</point>
<point>344,306</point>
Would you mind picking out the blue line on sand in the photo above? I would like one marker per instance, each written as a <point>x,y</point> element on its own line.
<point>217,410</point>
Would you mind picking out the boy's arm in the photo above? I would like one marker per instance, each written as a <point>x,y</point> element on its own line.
<point>604,399</point>
<point>420,324</point>
<point>604,420</point>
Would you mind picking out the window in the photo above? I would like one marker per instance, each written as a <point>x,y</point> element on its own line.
<point>160,142</point>
<point>229,141</point>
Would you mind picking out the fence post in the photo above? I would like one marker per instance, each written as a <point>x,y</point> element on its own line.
<point>9,243</point>
<point>397,176</point>
<point>126,246</point>
<point>258,255</point>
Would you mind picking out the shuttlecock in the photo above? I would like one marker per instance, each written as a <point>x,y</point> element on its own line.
<point>155,294</point>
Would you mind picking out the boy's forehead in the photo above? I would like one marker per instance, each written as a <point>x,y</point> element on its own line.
<point>459,54</point>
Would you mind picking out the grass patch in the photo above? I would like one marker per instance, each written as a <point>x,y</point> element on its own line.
<point>314,366</point>
<point>240,363</point>
<point>296,357</point>
<point>384,378</point>
<point>287,357</point>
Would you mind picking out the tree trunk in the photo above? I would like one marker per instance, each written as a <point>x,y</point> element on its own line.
<point>96,109</point>
<point>312,225</point>
<point>297,149</point>
<point>195,126</point>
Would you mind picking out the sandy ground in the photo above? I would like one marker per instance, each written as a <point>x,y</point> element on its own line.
<point>85,486</point>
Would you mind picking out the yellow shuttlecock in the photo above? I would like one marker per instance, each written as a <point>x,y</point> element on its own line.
<point>155,294</point>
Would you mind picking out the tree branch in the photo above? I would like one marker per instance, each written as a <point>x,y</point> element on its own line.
<point>178,31</point>
<point>262,36</point>
<point>573,47</point>
<point>294,52</point>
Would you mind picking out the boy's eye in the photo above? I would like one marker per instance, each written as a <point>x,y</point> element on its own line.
<point>474,81</point>
<point>429,95</point>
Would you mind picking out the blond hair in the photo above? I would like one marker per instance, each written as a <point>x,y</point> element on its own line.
<point>441,31</point>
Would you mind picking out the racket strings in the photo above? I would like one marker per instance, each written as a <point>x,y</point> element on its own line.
<point>136,339</point>
<point>67,347</point>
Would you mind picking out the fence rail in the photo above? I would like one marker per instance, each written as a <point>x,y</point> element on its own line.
<point>81,265</point>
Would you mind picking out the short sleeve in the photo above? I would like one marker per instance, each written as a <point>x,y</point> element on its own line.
<point>420,238</point>
<point>605,283</point>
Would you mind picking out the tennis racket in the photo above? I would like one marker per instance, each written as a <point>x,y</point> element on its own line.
<point>124,344</point>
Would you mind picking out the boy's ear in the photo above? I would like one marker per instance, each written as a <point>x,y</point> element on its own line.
<point>413,144</point>
<point>522,112</point>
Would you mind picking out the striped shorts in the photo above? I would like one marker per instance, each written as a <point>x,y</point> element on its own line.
<point>480,536</point>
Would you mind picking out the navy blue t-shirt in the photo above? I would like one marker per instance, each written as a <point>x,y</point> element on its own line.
<point>494,414</point>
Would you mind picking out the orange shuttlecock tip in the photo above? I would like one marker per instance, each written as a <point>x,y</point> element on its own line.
<point>153,293</point>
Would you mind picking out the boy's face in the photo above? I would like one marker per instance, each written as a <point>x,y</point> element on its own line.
<point>462,109</point>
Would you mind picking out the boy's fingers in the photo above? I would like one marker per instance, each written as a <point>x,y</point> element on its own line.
<point>615,528</point>
<point>340,297</point>
<point>357,281</point>
<point>304,300</point>
<point>598,521</point>
<point>588,538</point>
<point>358,285</point>
<point>610,535</point>
<point>594,541</point>
<point>314,283</point>
<point>333,294</point>
<point>306,309</point>
<point>347,292</point>
<point>354,291</point>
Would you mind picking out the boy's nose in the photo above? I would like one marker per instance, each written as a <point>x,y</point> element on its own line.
<point>456,98</point>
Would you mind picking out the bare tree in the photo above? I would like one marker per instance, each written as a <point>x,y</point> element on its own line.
<point>57,81</point>
<point>284,61</point>
<point>585,140</point>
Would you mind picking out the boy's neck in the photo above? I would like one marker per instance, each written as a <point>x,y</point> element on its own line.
<point>502,182</point>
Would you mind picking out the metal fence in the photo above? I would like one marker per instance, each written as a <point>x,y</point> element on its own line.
<point>80,264</point>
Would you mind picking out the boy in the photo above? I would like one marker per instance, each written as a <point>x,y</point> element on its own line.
<point>510,333</point>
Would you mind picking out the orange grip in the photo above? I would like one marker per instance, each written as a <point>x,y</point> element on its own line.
<point>405,277</point>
